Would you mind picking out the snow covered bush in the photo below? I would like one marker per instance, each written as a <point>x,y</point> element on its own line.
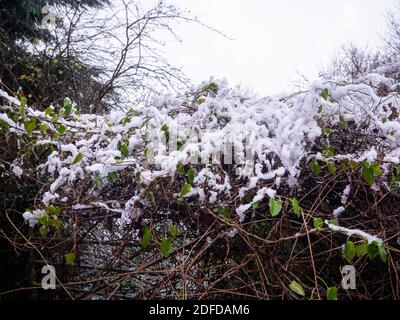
<point>217,193</point>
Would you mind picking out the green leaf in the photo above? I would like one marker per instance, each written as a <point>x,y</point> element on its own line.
<point>113,176</point>
<point>373,250</point>
<point>320,108</point>
<point>30,125</point>
<point>331,293</point>
<point>191,175</point>
<point>174,231</point>
<point>61,129</point>
<point>334,222</point>
<point>349,252</point>
<point>296,207</point>
<point>43,231</point>
<point>50,209</point>
<point>186,189</point>
<point>70,258</point>
<point>275,207</point>
<point>376,170</point>
<point>124,149</point>
<point>146,238</point>
<point>329,152</point>
<point>318,223</point>
<point>367,173</point>
<point>44,220</point>
<point>327,131</point>
<point>200,101</point>
<point>67,106</point>
<point>166,247</point>
<point>180,169</point>
<point>315,168</point>
<point>78,158</point>
<point>43,127</point>
<point>353,164</point>
<point>383,254</point>
<point>164,128</point>
<point>362,249</point>
<point>224,212</point>
<point>325,94</point>
<point>297,288</point>
<point>342,123</point>
<point>211,87</point>
<point>332,168</point>
<point>97,181</point>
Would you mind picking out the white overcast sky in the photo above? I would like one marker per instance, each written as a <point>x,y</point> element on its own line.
<point>273,39</point>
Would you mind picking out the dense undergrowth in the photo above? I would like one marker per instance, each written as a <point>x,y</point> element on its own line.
<point>216,194</point>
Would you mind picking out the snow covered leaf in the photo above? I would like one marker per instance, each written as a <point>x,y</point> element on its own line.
<point>297,288</point>
<point>78,158</point>
<point>30,125</point>
<point>186,189</point>
<point>275,207</point>
<point>124,149</point>
<point>325,94</point>
<point>191,175</point>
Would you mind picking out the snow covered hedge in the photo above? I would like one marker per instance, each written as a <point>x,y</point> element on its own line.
<point>265,184</point>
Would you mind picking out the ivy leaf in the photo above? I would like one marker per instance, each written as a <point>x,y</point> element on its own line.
<point>61,129</point>
<point>275,207</point>
<point>297,288</point>
<point>349,252</point>
<point>180,169</point>
<point>325,94</point>
<point>367,173</point>
<point>67,106</point>
<point>70,258</point>
<point>97,181</point>
<point>191,175</point>
<point>166,247</point>
<point>362,249</point>
<point>318,223</point>
<point>373,250</point>
<point>224,212</point>
<point>315,168</point>
<point>332,168</point>
<point>78,158</point>
<point>43,127</point>
<point>43,231</point>
<point>296,207</point>
<point>30,125</point>
<point>383,254</point>
<point>186,189</point>
<point>331,293</point>
<point>146,238</point>
<point>174,231</point>
<point>164,128</point>
<point>124,149</point>
<point>113,176</point>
